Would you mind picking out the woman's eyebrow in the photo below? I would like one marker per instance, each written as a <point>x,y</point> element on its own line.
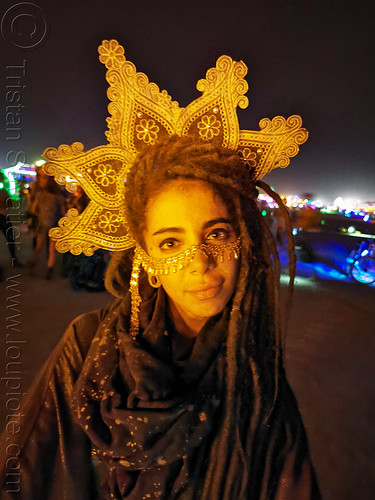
<point>219,220</point>
<point>169,230</point>
<point>206,225</point>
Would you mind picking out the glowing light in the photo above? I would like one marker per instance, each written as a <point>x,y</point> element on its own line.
<point>324,271</point>
<point>20,168</point>
<point>350,206</point>
<point>358,234</point>
<point>351,229</point>
<point>318,203</point>
<point>39,163</point>
<point>13,171</point>
<point>12,183</point>
<point>299,281</point>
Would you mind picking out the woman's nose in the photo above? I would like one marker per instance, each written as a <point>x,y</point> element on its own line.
<point>200,263</point>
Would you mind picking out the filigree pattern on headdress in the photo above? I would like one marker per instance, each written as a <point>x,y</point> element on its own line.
<point>142,114</point>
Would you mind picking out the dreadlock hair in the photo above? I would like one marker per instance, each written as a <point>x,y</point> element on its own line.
<point>253,345</point>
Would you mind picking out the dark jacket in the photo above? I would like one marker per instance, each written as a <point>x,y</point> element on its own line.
<point>108,415</point>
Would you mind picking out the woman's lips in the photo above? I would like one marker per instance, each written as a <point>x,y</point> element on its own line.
<point>206,292</point>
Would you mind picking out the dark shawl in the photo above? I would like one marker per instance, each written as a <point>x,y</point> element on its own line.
<point>113,417</point>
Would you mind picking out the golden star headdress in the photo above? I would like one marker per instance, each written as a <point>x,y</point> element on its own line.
<point>142,114</point>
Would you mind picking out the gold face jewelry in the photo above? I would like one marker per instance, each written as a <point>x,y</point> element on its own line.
<point>155,267</point>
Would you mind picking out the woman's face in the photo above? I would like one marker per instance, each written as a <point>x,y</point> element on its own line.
<point>187,213</point>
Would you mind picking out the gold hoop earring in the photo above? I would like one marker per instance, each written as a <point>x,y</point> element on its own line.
<point>154,280</point>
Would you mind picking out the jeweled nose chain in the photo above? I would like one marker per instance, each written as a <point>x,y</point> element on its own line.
<point>155,266</point>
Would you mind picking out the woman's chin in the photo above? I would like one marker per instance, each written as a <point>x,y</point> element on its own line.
<point>205,308</point>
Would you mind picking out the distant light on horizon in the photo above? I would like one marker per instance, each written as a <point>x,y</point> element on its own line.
<point>348,205</point>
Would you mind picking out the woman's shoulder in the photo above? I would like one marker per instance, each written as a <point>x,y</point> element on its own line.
<point>83,329</point>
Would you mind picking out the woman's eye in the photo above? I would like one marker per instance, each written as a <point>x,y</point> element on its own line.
<point>169,244</point>
<point>219,236</point>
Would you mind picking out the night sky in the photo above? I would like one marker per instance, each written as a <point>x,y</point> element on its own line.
<point>312,58</point>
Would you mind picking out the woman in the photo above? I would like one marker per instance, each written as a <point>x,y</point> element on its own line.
<point>179,393</point>
<point>48,206</point>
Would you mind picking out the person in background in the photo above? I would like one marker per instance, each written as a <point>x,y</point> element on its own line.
<point>85,272</point>
<point>79,200</point>
<point>48,206</point>
<point>32,219</point>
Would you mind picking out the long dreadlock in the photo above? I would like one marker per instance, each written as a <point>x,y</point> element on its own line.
<point>253,344</point>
